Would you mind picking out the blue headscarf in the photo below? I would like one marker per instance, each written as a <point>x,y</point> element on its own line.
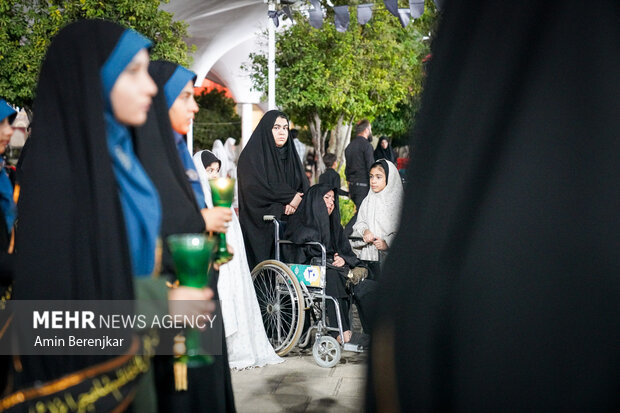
<point>6,188</point>
<point>172,89</point>
<point>139,198</point>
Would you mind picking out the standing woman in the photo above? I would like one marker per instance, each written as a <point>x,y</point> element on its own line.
<point>384,150</point>
<point>246,340</point>
<point>161,146</point>
<point>89,227</point>
<point>7,218</point>
<point>7,206</point>
<point>271,182</point>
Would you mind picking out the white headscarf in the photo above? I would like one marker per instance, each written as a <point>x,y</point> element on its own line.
<point>231,151</point>
<point>220,152</point>
<point>379,213</point>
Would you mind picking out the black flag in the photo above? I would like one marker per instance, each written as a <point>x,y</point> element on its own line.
<point>342,18</point>
<point>392,6</point>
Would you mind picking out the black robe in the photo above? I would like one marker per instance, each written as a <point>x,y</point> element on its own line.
<point>72,242</point>
<point>155,147</point>
<point>268,179</point>
<point>180,214</point>
<point>311,222</point>
<point>502,289</point>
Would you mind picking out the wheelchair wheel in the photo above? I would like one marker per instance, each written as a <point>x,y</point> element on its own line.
<point>326,351</point>
<point>281,303</point>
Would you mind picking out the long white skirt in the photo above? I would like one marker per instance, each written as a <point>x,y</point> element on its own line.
<point>247,342</point>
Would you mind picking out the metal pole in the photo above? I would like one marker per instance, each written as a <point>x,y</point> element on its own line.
<point>271,67</point>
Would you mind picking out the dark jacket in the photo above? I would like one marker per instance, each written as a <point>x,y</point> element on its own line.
<point>359,156</point>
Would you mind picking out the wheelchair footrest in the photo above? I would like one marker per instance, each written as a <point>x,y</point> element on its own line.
<point>358,348</point>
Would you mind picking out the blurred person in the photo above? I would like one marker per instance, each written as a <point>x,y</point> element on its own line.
<point>271,182</point>
<point>359,156</point>
<point>93,88</point>
<point>331,177</point>
<point>161,147</point>
<point>246,340</point>
<point>505,267</point>
<point>7,218</point>
<point>384,150</point>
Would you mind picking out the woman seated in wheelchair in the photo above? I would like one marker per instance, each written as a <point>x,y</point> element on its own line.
<point>318,219</point>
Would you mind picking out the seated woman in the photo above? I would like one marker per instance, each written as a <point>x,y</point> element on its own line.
<point>246,340</point>
<point>318,219</point>
<point>377,219</point>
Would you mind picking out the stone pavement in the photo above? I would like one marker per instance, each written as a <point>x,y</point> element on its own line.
<point>300,385</point>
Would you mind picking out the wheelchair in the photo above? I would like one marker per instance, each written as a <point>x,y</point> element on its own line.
<point>287,294</point>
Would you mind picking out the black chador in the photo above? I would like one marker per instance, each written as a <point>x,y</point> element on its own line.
<point>269,177</point>
<point>502,288</point>
<point>312,222</point>
<point>209,387</point>
<point>72,242</point>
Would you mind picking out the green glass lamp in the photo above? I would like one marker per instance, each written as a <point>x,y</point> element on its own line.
<point>222,193</point>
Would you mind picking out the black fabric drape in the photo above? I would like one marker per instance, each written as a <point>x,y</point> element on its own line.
<point>387,153</point>
<point>71,242</point>
<point>268,179</point>
<point>155,147</point>
<point>501,292</point>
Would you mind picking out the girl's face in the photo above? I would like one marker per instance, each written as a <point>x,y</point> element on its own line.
<point>280,131</point>
<point>6,131</point>
<point>183,109</point>
<point>213,170</point>
<point>133,91</point>
<point>377,179</point>
<point>384,144</point>
<point>329,201</point>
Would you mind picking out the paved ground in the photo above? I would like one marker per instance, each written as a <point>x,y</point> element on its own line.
<point>300,385</point>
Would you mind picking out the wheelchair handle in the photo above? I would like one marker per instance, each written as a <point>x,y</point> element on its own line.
<point>268,218</point>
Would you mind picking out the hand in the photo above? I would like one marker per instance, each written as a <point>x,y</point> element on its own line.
<point>368,236</point>
<point>338,261</point>
<point>188,301</point>
<point>289,209</point>
<point>296,200</point>
<point>380,244</point>
<point>230,249</point>
<point>216,219</point>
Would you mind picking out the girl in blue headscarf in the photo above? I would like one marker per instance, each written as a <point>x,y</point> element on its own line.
<point>87,228</point>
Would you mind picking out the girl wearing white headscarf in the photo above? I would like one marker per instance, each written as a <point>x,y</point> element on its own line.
<point>377,219</point>
<point>246,340</point>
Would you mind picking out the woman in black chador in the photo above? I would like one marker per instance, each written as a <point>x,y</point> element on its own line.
<point>88,228</point>
<point>271,182</point>
<point>208,388</point>
<point>502,289</point>
<point>384,150</point>
<point>318,219</point>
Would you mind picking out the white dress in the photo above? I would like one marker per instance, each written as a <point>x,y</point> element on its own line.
<point>246,340</point>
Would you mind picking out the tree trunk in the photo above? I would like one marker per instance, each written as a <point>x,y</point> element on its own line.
<point>318,141</point>
<point>344,137</point>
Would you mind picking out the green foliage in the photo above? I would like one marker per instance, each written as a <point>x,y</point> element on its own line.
<point>216,119</point>
<point>362,73</point>
<point>347,210</point>
<point>26,27</point>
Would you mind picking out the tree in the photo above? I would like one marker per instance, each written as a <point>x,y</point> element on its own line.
<point>216,119</point>
<point>327,79</point>
<point>27,26</point>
